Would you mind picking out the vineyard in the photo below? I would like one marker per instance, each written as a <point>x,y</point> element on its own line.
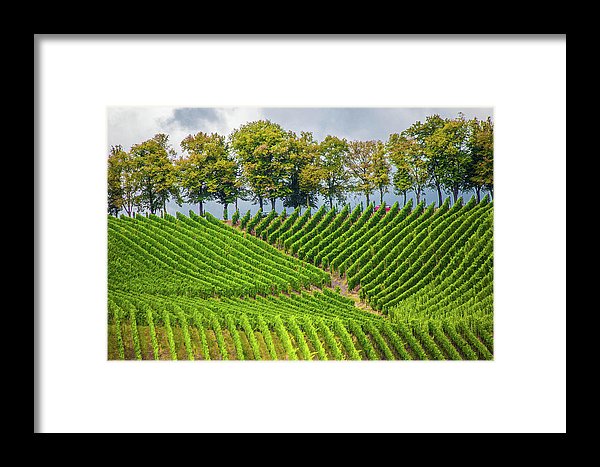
<point>417,285</point>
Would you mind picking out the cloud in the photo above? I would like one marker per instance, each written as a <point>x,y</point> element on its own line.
<point>193,117</point>
<point>358,122</point>
<point>131,125</point>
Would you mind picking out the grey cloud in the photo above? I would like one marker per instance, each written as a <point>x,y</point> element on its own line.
<point>192,118</point>
<point>358,122</point>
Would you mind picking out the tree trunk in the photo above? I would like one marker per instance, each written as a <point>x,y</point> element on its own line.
<point>200,209</point>
<point>491,193</point>
<point>478,193</point>
<point>455,193</point>
<point>236,204</point>
<point>367,198</point>
<point>380,196</point>
<point>418,193</point>
<point>439,190</point>
<point>260,202</point>
<point>404,199</point>
<point>273,204</point>
<point>225,211</point>
<point>151,203</point>
<point>307,201</point>
<point>330,202</point>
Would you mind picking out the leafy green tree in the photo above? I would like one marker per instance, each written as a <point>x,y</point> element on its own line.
<point>303,170</point>
<point>167,175</point>
<point>412,166</point>
<point>223,181</point>
<point>361,165</point>
<point>152,160</point>
<point>480,145</point>
<point>123,182</point>
<point>419,132</point>
<point>200,152</point>
<point>380,169</point>
<point>310,182</point>
<point>333,157</point>
<point>262,148</point>
<point>115,193</point>
<point>449,143</point>
<point>401,180</point>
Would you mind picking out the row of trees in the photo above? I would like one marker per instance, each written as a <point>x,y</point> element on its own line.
<point>262,162</point>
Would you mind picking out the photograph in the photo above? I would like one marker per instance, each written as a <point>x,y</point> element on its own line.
<point>300,233</point>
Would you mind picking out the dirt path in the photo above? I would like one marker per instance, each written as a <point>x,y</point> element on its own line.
<point>342,283</point>
<point>337,281</point>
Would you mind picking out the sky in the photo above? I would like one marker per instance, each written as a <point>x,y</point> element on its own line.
<point>132,125</point>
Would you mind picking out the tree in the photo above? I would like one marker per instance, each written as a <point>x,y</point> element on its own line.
<point>167,174</point>
<point>419,133</point>
<point>223,180</point>
<point>310,182</point>
<point>380,170</point>
<point>303,173</point>
<point>333,160</point>
<point>201,151</point>
<point>152,160</point>
<point>480,144</point>
<point>401,180</point>
<point>261,147</point>
<point>123,182</point>
<point>412,167</point>
<point>449,145</point>
<point>116,161</point>
<point>361,164</point>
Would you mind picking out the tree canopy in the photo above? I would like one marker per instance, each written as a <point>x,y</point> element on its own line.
<point>262,161</point>
<point>155,173</point>
<point>261,148</point>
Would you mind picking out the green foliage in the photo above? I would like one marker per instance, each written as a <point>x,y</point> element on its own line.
<point>333,154</point>
<point>153,338</point>
<point>304,173</point>
<point>170,337</point>
<point>327,322</point>
<point>134,333</point>
<point>346,340</point>
<point>480,144</point>
<point>235,336</point>
<point>247,327</point>
<point>155,173</point>
<point>412,168</point>
<point>368,167</point>
<point>262,150</point>
<point>208,170</point>
<point>216,327</point>
<point>115,192</point>
<point>200,282</point>
<point>183,324</point>
<point>261,161</point>
<point>448,145</point>
<point>255,220</point>
<point>199,324</point>
<point>264,223</point>
<point>235,219</point>
<point>245,219</point>
<point>115,313</point>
